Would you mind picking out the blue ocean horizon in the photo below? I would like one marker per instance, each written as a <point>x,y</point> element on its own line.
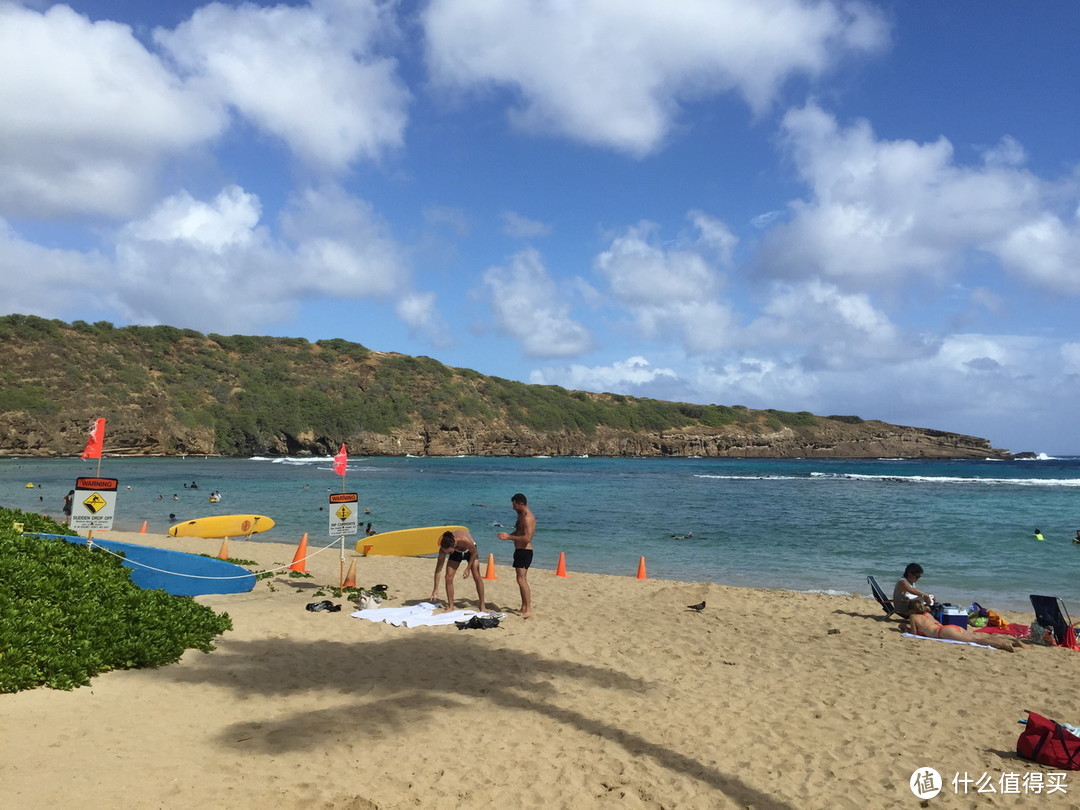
<point>808,525</point>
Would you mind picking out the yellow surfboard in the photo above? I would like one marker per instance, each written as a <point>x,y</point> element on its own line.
<point>222,526</point>
<point>404,542</point>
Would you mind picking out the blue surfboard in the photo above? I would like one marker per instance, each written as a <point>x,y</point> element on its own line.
<point>176,572</point>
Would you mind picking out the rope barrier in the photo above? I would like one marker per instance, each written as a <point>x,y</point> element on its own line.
<point>90,544</point>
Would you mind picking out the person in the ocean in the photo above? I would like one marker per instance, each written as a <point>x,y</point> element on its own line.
<point>1038,535</point>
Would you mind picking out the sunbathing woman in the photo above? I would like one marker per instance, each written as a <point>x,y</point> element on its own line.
<point>921,623</point>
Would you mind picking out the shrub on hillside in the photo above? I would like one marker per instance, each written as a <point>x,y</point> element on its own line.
<point>68,612</point>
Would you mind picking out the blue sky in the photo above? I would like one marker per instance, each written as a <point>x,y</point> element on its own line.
<point>865,208</point>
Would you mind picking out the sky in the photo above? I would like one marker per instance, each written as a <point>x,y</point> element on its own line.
<point>837,206</point>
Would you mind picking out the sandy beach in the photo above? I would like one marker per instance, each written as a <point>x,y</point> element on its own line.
<point>615,695</point>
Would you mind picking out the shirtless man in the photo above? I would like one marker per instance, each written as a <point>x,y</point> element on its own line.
<point>523,550</point>
<point>459,547</point>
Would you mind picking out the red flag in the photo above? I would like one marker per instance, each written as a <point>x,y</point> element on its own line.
<point>96,442</point>
<point>341,460</point>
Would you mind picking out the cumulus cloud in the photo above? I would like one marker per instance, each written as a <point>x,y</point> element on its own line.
<point>529,306</point>
<point>215,265</point>
<point>672,289</point>
<point>882,212</point>
<point>833,329</point>
<point>418,311</point>
<point>334,98</point>
<point>89,115</point>
<point>614,74</point>
<point>343,246</point>
<point>519,227</point>
<point>622,375</point>
<point>35,280</point>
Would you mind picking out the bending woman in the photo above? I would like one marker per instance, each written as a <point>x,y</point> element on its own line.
<point>921,623</point>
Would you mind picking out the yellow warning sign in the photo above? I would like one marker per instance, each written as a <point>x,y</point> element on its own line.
<point>343,516</point>
<point>95,503</point>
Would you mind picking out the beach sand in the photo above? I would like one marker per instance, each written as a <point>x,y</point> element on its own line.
<point>615,695</point>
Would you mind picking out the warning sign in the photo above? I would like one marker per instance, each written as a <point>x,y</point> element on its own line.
<point>94,504</point>
<point>344,517</point>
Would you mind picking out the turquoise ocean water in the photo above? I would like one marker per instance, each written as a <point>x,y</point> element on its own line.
<point>795,524</point>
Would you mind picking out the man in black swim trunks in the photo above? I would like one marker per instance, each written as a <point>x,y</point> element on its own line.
<point>455,548</point>
<point>523,550</point>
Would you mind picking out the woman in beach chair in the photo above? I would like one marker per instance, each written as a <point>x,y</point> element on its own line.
<point>904,592</point>
<point>921,623</point>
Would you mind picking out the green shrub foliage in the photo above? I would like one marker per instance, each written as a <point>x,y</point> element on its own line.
<point>68,612</point>
<point>254,394</point>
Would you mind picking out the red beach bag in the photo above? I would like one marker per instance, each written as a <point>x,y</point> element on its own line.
<point>1048,743</point>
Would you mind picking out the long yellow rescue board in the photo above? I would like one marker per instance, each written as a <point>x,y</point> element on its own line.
<point>404,542</point>
<point>222,526</point>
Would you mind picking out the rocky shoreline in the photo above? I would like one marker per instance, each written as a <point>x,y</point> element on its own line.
<point>829,439</point>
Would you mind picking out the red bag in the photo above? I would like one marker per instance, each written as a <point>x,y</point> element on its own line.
<point>1048,743</point>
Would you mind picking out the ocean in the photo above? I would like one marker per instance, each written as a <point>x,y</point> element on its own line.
<point>811,525</point>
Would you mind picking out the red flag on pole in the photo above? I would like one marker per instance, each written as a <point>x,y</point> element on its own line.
<point>96,442</point>
<point>341,460</point>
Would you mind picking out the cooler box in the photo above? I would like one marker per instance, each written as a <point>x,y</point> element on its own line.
<point>955,616</point>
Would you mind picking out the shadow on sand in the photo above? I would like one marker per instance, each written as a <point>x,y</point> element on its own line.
<point>404,680</point>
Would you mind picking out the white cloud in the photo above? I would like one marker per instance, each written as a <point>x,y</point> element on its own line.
<point>207,266</point>
<point>672,290</point>
<point>519,227</point>
<point>214,227</point>
<point>418,311</point>
<point>307,74</point>
<point>215,266</point>
<point>622,375</point>
<point>614,73</point>
<point>89,115</point>
<point>833,329</point>
<point>344,247</point>
<point>47,282</point>
<point>1070,356</point>
<point>530,307</point>
<point>883,212</point>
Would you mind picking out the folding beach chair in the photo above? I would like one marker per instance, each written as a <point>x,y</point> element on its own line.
<point>883,600</point>
<point>1050,612</point>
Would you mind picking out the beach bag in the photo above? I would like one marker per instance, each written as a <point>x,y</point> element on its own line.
<point>1049,743</point>
<point>1041,634</point>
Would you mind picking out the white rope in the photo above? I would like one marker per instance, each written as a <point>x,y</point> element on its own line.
<point>90,544</point>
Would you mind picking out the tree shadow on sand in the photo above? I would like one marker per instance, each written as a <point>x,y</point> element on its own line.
<point>404,680</point>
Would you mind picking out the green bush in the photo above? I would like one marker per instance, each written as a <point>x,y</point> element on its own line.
<point>68,612</point>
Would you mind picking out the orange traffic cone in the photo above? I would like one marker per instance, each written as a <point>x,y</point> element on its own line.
<point>560,569</point>
<point>224,553</point>
<point>489,572</point>
<point>350,578</point>
<point>641,569</point>
<point>298,563</point>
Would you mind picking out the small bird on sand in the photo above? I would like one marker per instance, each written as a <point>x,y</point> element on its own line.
<point>700,606</point>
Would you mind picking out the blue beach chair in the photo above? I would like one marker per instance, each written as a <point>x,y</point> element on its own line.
<point>883,600</point>
<point>1050,612</point>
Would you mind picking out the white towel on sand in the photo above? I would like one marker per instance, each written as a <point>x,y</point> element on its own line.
<point>421,615</point>
<point>946,640</point>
